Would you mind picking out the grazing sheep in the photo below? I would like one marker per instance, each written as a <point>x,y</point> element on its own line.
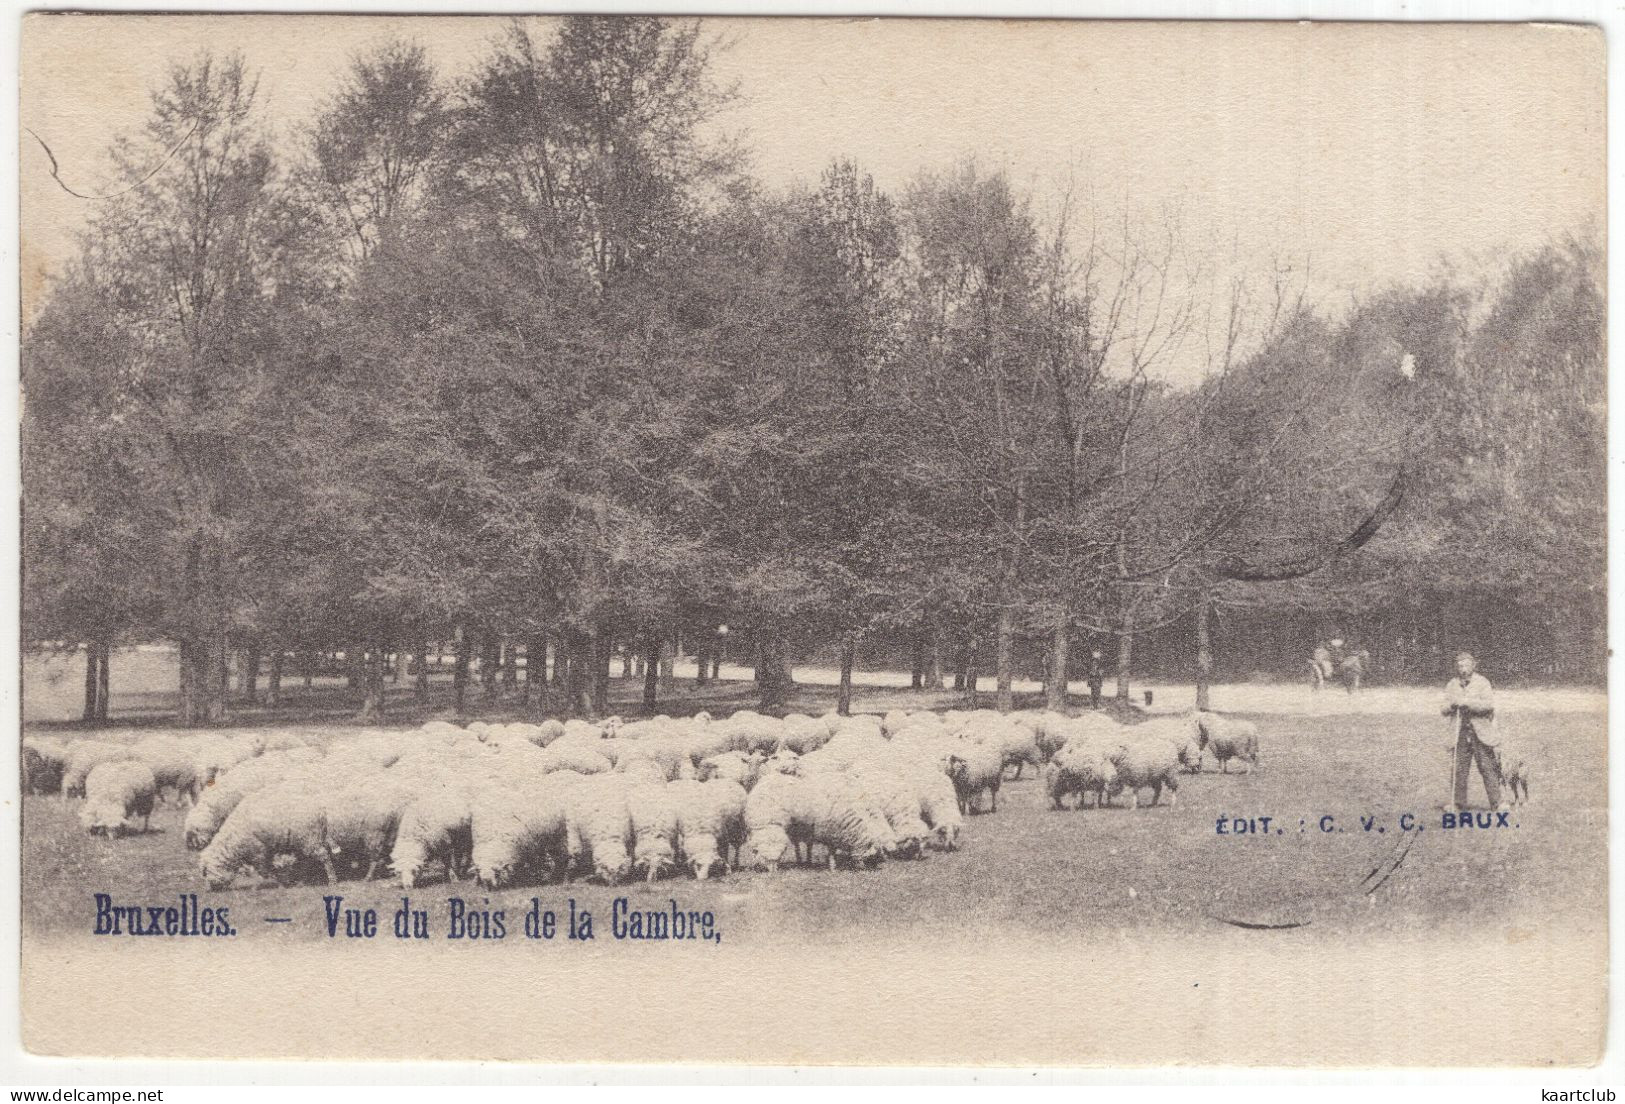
<point>1080,767</point>
<point>81,757</point>
<point>1050,731</point>
<point>599,829</point>
<point>939,806</point>
<point>216,755</point>
<point>437,826</point>
<point>1146,759</point>
<point>654,828</point>
<point>710,824</point>
<point>174,765</point>
<point>1019,745</point>
<point>753,732</point>
<point>44,761</point>
<point>732,766</point>
<point>116,792</point>
<point>546,732</point>
<point>286,821</point>
<point>635,768</point>
<point>769,818</point>
<point>521,831</point>
<point>219,798</point>
<point>568,756</point>
<point>1227,738</point>
<point>361,821</point>
<point>974,768</point>
<point>896,794</point>
<point>802,734</point>
<point>836,810</point>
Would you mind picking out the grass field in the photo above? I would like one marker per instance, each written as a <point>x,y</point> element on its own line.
<point>1027,868</point>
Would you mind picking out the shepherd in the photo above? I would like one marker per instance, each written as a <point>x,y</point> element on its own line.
<point>1470,703</point>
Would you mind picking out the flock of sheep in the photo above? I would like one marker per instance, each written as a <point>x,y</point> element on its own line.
<point>528,803</point>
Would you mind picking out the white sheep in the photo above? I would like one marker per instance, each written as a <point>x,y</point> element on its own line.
<point>362,817</point>
<point>174,764</point>
<point>1081,766</point>
<point>286,821</point>
<point>522,830</point>
<point>801,734</point>
<point>436,826</point>
<point>710,824</point>
<point>837,811</point>
<point>1146,758</point>
<point>81,756</point>
<point>939,806</point>
<point>653,811</point>
<point>214,756</point>
<point>732,766</point>
<point>769,818</point>
<point>975,768</point>
<point>1226,738</point>
<point>115,793</point>
<point>895,792</point>
<point>220,797</point>
<point>599,828</point>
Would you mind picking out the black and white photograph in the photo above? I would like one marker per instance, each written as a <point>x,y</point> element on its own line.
<point>813,541</point>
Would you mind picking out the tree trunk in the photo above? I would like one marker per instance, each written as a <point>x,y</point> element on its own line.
<point>702,667</point>
<point>93,659</point>
<point>626,660</point>
<point>420,686</point>
<point>576,688</point>
<point>251,672</point>
<point>510,667</point>
<point>651,671</point>
<point>1005,699</point>
<point>273,682</point>
<point>936,659</point>
<point>849,648</point>
<point>716,666</point>
<point>104,672</point>
<point>776,677</point>
<point>1125,656</point>
<point>555,673</point>
<point>459,671</point>
<point>917,676</point>
<point>490,661</point>
<point>307,659</point>
<point>372,699</point>
<point>355,666</point>
<point>403,663</point>
<point>1204,650</point>
<point>1059,650</point>
<point>962,673</point>
<point>668,662</point>
<point>602,647</point>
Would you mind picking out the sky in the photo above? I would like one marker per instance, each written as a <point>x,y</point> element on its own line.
<point>1374,151</point>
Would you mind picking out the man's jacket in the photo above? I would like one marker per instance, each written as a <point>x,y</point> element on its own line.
<point>1473,705</point>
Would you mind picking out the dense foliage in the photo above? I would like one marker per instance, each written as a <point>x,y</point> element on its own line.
<point>528,357</point>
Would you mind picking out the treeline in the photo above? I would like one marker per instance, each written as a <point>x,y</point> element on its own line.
<point>526,360</point>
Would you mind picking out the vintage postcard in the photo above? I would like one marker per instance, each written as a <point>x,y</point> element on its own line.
<point>813,541</point>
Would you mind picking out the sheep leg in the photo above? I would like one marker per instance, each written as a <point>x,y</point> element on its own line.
<point>1224,766</point>
<point>995,795</point>
<point>1134,798</point>
<point>327,868</point>
<point>372,868</point>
